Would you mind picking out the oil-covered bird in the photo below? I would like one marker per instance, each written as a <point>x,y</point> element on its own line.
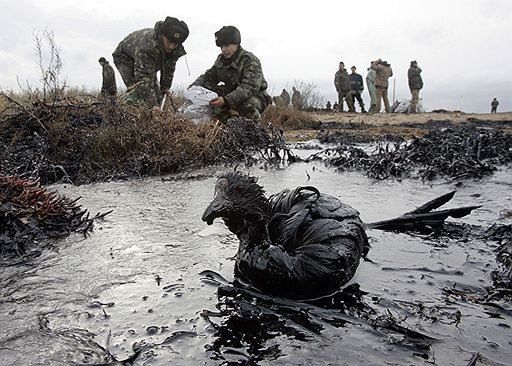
<point>302,243</point>
<point>298,243</point>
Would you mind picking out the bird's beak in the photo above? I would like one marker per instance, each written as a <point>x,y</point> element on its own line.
<point>214,209</point>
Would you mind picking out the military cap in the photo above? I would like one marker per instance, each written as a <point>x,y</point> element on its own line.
<point>102,59</point>
<point>227,35</point>
<point>174,30</point>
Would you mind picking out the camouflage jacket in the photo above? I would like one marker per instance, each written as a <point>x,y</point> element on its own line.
<point>286,97</point>
<point>414,76</point>
<point>382,74</point>
<point>341,81</point>
<point>143,51</point>
<point>242,78</point>
<point>297,99</point>
<point>109,79</point>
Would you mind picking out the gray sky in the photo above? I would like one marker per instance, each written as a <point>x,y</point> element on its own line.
<point>460,45</point>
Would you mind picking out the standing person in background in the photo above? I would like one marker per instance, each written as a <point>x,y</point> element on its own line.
<point>370,84</point>
<point>286,98</point>
<point>296,99</point>
<point>108,86</point>
<point>383,73</point>
<point>342,85</point>
<point>415,85</point>
<point>494,105</point>
<point>357,87</point>
<point>143,53</point>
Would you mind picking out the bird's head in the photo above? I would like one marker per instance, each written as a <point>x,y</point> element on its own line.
<point>237,197</point>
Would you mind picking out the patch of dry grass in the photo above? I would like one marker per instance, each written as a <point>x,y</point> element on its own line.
<point>82,139</point>
<point>289,118</point>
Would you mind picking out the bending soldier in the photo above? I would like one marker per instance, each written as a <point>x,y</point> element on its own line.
<point>244,87</point>
<point>142,53</point>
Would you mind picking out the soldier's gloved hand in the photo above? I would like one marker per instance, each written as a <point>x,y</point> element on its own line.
<point>156,110</point>
<point>217,102</point>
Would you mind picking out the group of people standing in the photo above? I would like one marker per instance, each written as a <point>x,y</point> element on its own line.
<point>284,99</point>
<point>350,86</point>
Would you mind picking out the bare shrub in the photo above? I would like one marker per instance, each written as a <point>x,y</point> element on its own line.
<point>50,66</point>
<point>311,97</point>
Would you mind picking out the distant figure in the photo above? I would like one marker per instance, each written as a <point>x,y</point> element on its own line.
<point>328,106</point>
<point>383,73</point>
<point>296,99</point>
<point>335,106</point>
<point>342,85</point>
<point>494,105</point>
<point>108,86</point>
<point>278,101</point>
<point>370,84</point>
<point>141,54</point>
<point>357,87</point>
<point>415,85</point>
<point>286,98</point>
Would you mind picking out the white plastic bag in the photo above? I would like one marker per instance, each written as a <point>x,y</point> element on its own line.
<point>404,105</point>
<point>197,105</point>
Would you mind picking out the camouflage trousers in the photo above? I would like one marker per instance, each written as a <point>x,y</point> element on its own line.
<point>136,91</point>
<point>373,98</point>
<point>345,95</point>
<point>251,108</point>
<point>382,94</point>
<point>415,97</point>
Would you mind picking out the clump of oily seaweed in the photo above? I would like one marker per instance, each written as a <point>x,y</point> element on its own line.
<point>31,214</point>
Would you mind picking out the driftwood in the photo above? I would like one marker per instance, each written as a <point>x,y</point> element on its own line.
<point>424,217</point>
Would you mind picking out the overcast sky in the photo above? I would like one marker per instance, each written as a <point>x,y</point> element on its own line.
<point>463,47</point>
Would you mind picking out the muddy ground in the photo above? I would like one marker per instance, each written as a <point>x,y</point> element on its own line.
<point>398,124</point>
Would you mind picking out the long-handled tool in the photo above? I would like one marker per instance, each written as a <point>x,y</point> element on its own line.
<point>162,104</point>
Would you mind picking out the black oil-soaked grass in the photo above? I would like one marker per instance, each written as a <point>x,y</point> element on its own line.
<point>156,282</point>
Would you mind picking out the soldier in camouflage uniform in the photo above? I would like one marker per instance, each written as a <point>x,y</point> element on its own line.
<point>142,53</point>
<point>415,85</point>
<point>383,72</point>
<point>296,98</point>
<point>342,84</point>
<point>108,86</point>
<point>286,98</point>
<point>243,88</point>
